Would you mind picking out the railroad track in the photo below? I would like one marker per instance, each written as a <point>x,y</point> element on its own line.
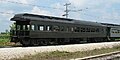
<point>106,56</point>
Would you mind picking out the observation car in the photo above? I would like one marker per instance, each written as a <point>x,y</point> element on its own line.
<point>31,29</point>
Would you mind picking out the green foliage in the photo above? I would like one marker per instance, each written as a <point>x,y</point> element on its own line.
<point>4,39</point>
<point>12,27</point>
<point>4,36</point>
<point>4,42</point>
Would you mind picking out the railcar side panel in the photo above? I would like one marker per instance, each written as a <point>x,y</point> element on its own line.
<point>65,34</point>
<point>115,32</point>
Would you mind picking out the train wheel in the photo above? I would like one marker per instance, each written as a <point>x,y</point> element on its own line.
<point>25,42</point>
<point>44,43</point>
<point>36,42</point>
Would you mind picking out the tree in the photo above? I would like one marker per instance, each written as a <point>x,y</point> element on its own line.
<point>12,27</point>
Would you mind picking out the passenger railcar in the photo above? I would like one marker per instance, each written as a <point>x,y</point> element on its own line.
<point>33,29</point>
<point>114,31</point>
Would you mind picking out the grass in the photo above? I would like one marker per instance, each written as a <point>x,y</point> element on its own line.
<point>57,55</point>
<point>5,40</point>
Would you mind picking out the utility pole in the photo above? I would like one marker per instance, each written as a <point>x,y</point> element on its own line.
<point>67,10</point>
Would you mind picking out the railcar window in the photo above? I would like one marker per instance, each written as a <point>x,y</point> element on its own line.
<point>102,30</point>
<point>56,28</point>
<point>62,28</point>
<point>32,27</point>
<point>41,27</point>
<point>97,30</point>
<point>92,30</point>
<point>49,28</point>
<point>112,31</point>
<point>67,29</point>
<point>72,29</point>
<point>118,31</point>
<point>115,31</point>
<point>77,29</point>
<point>18,27</point>
<point>82,29</point>
<point>28,27</point>
<point>23,27</point>
<point>87,29</point>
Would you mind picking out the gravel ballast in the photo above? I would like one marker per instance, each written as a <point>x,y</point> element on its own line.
<point>18,52</point>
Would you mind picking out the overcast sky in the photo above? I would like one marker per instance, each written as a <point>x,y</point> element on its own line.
<point>106,11</point>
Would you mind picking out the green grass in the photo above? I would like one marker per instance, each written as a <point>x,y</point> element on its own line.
<point>57,55</point>
<point>4,40</point>
<point>4,36</point>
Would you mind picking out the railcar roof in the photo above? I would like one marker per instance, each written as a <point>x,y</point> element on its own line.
<point>32,17</point>
<point>111,25</point>
<point>108,24</point>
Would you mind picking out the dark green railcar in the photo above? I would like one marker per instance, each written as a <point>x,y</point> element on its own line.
<point>44,30</point>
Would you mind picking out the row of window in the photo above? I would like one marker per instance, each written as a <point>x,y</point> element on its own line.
<point>57,28</point>
<point>116,31</point>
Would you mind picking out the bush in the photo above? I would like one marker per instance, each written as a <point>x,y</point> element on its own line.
<point>4,39</point>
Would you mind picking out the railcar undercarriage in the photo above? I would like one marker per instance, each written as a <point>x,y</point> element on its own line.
<point>57,41</point>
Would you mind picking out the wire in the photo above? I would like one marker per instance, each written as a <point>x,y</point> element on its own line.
<point>6,13</point>
<point>41,6</point>
<point>32,5</point>
<point>100,17</point>
<point>53,8</point>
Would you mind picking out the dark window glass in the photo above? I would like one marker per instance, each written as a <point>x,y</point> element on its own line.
<point>87,29</point>
<point>62,28</point>
<point>77,29</point>
<point>102,30</point>
<point>18,27</point>
<point>56,28</point>
<point>82,29</point>
<point>92,30</point>
<point>97,30</point>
